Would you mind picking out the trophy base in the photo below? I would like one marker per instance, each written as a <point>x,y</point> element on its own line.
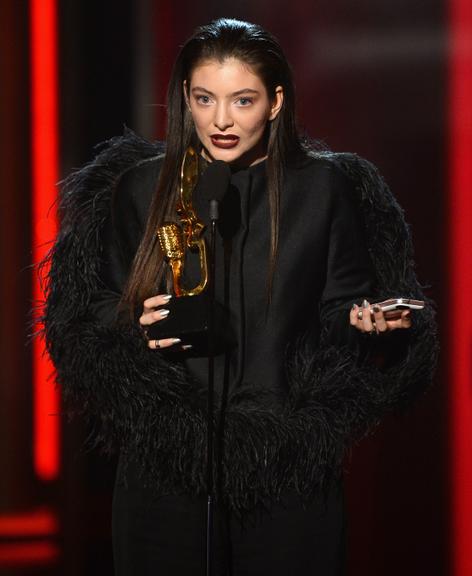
<point>188,320</point>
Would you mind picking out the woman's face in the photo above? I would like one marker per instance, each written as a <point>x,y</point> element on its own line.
<point>230,108</point>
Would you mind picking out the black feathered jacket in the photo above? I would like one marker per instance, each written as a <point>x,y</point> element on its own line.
<point>299,392</point>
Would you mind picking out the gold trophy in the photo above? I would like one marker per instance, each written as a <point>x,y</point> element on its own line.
<point>175,239</point>
<point>189,309</point>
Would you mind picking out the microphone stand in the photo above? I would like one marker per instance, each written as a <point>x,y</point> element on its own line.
<point>211,390</point>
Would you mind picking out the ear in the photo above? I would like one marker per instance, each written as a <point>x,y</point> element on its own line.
<point>185,89</point>
<point>276,103</point>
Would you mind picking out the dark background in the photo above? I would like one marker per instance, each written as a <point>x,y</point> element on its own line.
<point>370,79</point>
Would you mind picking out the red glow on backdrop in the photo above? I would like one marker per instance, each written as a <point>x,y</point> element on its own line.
<point>40,522</point>
<point>459,316</point>
<point>44,139</point>
<point>28,554</point>
<point>165,36</point>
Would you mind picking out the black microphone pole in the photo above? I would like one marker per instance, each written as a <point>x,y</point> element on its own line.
<point>211,390</point>
<point>212,186</point>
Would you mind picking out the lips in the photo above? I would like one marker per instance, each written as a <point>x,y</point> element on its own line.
<point>224,140</point>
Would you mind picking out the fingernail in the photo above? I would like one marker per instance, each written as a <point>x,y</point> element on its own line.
<point>167,297</point>
<point>187,347</point>
<point>365,304</point>
<point>164,312</point>
<point>176,340</point>
<point>353,307</point>
<point>376,308</point>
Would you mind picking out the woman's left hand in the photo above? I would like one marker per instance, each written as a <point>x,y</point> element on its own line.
<point>378,323</point>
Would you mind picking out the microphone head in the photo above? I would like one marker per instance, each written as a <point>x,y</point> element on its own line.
<point>214,182</point>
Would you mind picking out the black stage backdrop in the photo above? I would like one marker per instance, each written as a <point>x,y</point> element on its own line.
<point>370,79</point>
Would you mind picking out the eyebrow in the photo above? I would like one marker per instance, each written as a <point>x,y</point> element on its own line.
<point>237,93</point>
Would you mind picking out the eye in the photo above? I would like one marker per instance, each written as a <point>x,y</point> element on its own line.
<point>244,101</point>
<point>203,99</point>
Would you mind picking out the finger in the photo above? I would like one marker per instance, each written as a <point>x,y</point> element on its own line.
<point>367,325</point>
<point>150,317</point>
<point>379,319</point>
<point>403,322</point>
<point>406,319</point>
<point>353,315</point>
<point>164,343</point>
<point>150,303</point>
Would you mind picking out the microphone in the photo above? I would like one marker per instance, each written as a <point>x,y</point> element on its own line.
<point>214,184</point>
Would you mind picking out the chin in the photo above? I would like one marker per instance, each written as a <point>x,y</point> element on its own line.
<point>236,157</point>
<point>228,156</point>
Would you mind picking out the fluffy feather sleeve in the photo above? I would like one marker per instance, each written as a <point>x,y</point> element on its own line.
<point>145,405</point>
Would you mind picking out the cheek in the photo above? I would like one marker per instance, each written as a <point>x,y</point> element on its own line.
<point>196,120</point>
<point>257,125</point>
<point>199,118</point>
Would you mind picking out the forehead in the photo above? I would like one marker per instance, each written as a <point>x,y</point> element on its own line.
<point>229,75</point>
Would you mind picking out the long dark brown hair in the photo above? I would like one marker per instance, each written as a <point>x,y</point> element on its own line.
<point>220,40</point>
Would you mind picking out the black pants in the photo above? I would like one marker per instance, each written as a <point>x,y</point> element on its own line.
<point>165,536</point>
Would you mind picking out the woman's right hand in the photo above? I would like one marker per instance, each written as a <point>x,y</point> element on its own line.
<point>152,313</point>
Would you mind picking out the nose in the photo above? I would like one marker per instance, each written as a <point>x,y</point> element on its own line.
<point>222,119</point>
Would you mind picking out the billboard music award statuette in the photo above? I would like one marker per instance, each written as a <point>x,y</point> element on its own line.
<point>189,308</point>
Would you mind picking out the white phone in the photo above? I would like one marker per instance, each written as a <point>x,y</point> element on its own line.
<point>393,307</point>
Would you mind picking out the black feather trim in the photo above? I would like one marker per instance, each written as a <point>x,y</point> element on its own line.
<point>144,404</point>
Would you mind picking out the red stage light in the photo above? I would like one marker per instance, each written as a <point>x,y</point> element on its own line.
<point>39,522</point>
<point>44,141</point>
<point>459,313</point>
<point>28,554</point>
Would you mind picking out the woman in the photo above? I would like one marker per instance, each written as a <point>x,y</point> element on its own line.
<point>305,239</point>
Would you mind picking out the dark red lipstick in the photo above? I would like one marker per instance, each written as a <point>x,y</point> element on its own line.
<point>224,140</point>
